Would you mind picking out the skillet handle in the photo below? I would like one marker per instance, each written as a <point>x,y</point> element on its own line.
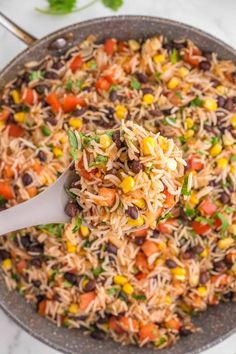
<point>18,32</point>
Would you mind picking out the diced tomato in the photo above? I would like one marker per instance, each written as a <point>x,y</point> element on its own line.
<point>122,46</point>
<point>102,85</point>
<point>217,223</point>
<point>141,276</point>
<point>85,174</point>
<point>32,191</point>
<point>195,164</point>
<point>140,233</point>
<point>85,299</point>
<point>4,115</point>
<point>149,332</point>
<point>109,197</point>
<point>37,167</point>
<point>141,262</point>
<point>6,190</point>
<point>8,172</point>
<point>54,102</point>
<point>42,307</point>
<point>110,46</point>
<point>165,226</point>
<point>128,324</point>
<point>200,228</point>
<point>173,323</point>
<point>113,324</point>
<point>28,96</point>
<point>15,130</point>
<point>170,200</point>
<point>207,207</point>
<point>149,248</point>
<point>71,101</point>
<point>21,266</point>
<point>193,58</point>
<point>223,279</point>
<point>76,63</point>
<point>110,78</point>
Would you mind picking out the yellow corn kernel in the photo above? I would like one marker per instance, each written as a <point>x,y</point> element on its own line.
<point>128,289</point>
<point>225,243</point>
<point>233,169</point>
<point>193,199</point>
<point>220,89</point>
<point>76,122</point>
<point>148,98</point>
<point>202,291</point>
<point>159,262</point>
<point>127,184</point>
<point>228,140</point>
<point>70,247</point>
<point>168,300</point>
<point>148,145</point>
<point>84,230</point>
<point>232,229</point>
<point>216,149</point>
<point>163,143</point>
<point>205,252</point>
<point>63,139</point>
<point>84,283</point>
<point>74,308</point>
<point>16,96</point>
<point>222,162</point>
<point>173,83</point>
<point>2,124</point>
<point>183,72</point>
<point>179,273</point>
<point>161,245</point>
<point>120,280</point>
<point>140,203</point>
<point>7,264</point>
<point>134,45</point>
<point>137,222</point>
<point>189,134</point>
<point>105,141</point>
<point>159,58</point>
<point>233,121</point>
<point>57,152</point>
<point>121,111</point>
<point>165,68</point>
<point>20,117</point>
<point>210,104</point>
<point>189,123</point>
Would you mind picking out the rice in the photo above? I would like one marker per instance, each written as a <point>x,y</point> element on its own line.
<point>168,272</point>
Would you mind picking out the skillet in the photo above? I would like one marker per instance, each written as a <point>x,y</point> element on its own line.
<point>217,323</point>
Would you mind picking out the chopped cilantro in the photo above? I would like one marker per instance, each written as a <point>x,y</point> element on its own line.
<point>54,229</point>
<point>2,200</point>
<point>215,140</point>
<point>174,57</point>
<point>112,291</point>
<point>233,158</point>
<point>45,130</point>
<point>178,94</point>
<point>196,102</point>
<point>169,121</point>
<point>85,244</point>
<point>224,221</point>
<point>99,160</point>
<point>139,297</point>
<point>160,341</point>
<point>185,186</point>
<point>78,223</point>
<point>35,75</point>
<point>79,84</point>
<point>135,84</point>
<point>181,139</point>
<point>204,221</point>
<point>229,210</point>
<point>73,143</point>
<point>97,271</point>
<point>69,85</point>
<point>67,284</point>
<point>190,213</point>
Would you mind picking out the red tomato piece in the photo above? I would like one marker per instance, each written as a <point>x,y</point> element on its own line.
<point>15,130</point>
<point>76,63</point>
<point>102,85</point>
<point>207,207</point>
<point>195,164</point>
<point>54,102</point>
<point>28,96</point>
<point>200,228</point>
<point>110,46</point>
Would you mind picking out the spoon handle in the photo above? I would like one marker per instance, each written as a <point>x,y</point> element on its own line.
<point>46,208</point>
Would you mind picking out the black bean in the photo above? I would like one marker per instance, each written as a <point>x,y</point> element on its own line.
<point>155,234</point>
<point>210,129</point>
<point>229,104</point>
<point>228,262</point>
<point>36,248</point>
<point>146,90</point>
<point>26,179</point>
<point>171,264</point>
<point>57,65</point>
<point>132,211</point>
<point>234,98</point>
<point>111,248</point>
<point>4,255</point>
<point>123,296</point>
<point>78,112</point>
<point>10,119</point>
<point>113,95</point>
<point>187,255</point>
<point>166,111</point>
<point>155,112</point>
<point>112,171</point>
<point>228,296</point>
<point>168,46</point>
<point>142,78</point>
<point>215,83</point>
<point>184,331</point>
<point>42,156</point>
<point>51,120</point>
<point>36,283</point>
<point>212,183</point>
<point>93,108</point>
<point>71,209</point>
<point>98,334</point>
<point>203,278</point>
<point>40,89</point>
<point>51,75</point>
<point>220,266</point>
<point>197,249</point>
<point>71,278</point>
<point>224,198</point>
<point>26,241</point>
<point>139,240</point>
<point>26,77</point>
<point>220,101</point>
<point>116,139</point>
<point>135,166</point>
<point>90,286</point>
<point>205,65</point>
<point>36,262</point>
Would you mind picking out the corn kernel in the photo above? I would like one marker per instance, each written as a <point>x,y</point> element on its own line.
<point>204,253</point>
<point>179,273</point>
<point>128,289</point>
<point>57,152</point>
<point>233,169</point>
<point>121,112</point>
<point>148,98</point>
<point>159,58</point>
<point>228,140</point>
<point>189,123</point>
<point>193,199</point>
<point>168,300</point>
<point>76,122</point>
<point>159,262</point>
<point>202,291</point>
<point>63,139</point>
<point>70,247</point>
<point>171,164</point>
<point>2,124</point>
<point>220,89</point>
<point>225,243</point>
<point>74,308</point>
<point>216,149</point>
<point>137,222</point>
<point>20,117</point>
<point>173,83</point>
<point>84,230</point>
<point>148,145</point>
<point>134,45</point>
<point>183,72</point>
<point>189,134</point>
<point>120,280</point>
<point>233,122</point>
<point>222,162</point>
<point>163,143</point>
<point>127,184</point>
<point>105,141</point>
<point>232,229</point>
<point>140,203</point>
<point>7,264</point>
<point>16,96</point>
<point>84,283</point>
<point>210,104</point>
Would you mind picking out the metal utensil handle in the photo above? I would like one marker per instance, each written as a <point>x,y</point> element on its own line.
<point>18,32</point>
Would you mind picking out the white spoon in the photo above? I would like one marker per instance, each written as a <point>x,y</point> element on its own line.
<point>46,208</point>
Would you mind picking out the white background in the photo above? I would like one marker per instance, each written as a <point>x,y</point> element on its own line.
<point>217,17</point>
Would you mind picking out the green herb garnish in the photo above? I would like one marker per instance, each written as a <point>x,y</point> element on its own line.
<point>169,120</point>
<point>204,221</point>
<point>139,297</point>
<point>135,84</point>
<point>224,221</point>
<point>99,160</point>
<point>78,223</point>
<point>36,75</point>
<point>174,57</point>
<point>45,130</point>
<point>160,341</point>
<point>233,158</point>
<point>190,213</point>
<point>182,139</point>
<point>67,284</point>
<point>185,187</point>
<point>178,94</point>
<point>54,229</point>
<point>69,85</point>
<point>113,4</point>
<point>73,143</point>
<point>112,291</point>
<point>97,271</point>
<point>196,102</point>
<point>2,200</point>
<point>215,140</point>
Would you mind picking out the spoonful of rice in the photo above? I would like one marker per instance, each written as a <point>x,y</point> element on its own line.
<point>123,179</point>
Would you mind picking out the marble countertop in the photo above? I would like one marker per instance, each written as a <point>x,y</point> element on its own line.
<point>214,16</point>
